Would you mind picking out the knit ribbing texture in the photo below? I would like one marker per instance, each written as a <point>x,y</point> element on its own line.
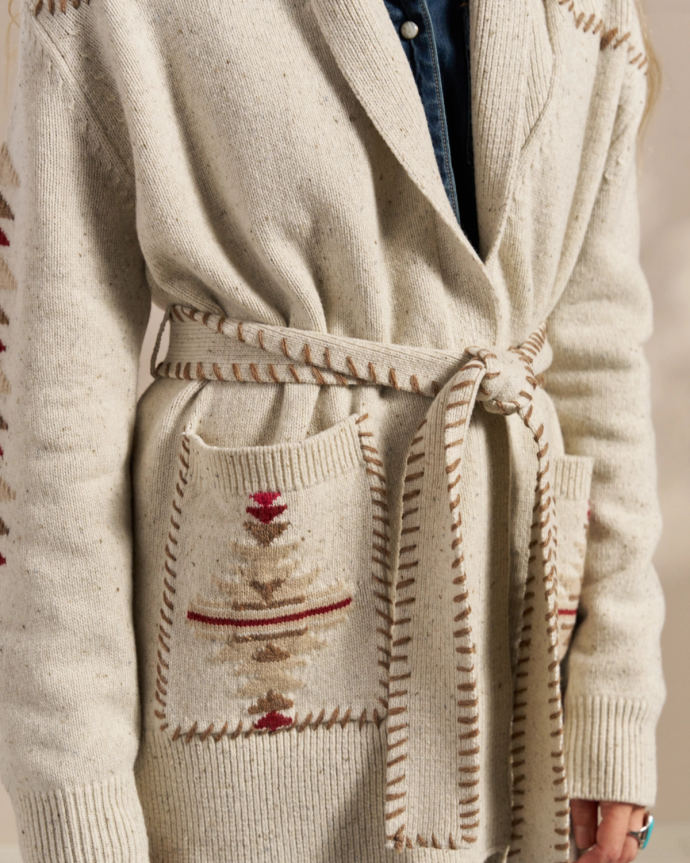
<point>99,823</point>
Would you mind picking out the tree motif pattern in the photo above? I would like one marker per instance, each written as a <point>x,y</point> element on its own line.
<point>266,615</point>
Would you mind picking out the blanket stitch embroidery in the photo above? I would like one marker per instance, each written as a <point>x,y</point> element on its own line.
<point>8,177</point>
<point>608,38</point>
<point>62,4</point>
<point>272,701</point>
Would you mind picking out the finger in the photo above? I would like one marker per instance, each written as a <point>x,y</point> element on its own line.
<point>630,849</point>
<point>637,818</point>
<point>632,846</point>
<point>613,829</point>
<point>594,855</point>
<point>583,814</point>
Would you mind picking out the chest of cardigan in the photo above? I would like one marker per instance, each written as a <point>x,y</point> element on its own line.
<point>333,82</point>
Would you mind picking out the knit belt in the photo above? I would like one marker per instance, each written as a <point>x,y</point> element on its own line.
<point>429,801</point>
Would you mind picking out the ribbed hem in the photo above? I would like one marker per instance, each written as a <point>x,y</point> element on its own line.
<point>288,467</point>
<point>610,749</point>
<point>290,797</point>
<point>572,476</point>
<point>99,823</point>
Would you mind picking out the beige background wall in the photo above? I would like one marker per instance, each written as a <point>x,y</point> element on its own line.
<point>665,209</point>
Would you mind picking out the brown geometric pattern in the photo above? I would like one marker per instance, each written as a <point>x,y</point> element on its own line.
<point>7,280</point>
<point>8,176</point>
<point>5,209</point>
<point>264,534</point>
<point>6,493</point>
<point>268,612</point>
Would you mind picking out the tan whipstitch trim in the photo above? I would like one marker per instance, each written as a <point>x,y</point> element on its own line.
<point>298,725</point>
<point>168,605</point>
<point>542,565</point>
<point>298,352</point>
<point>403,592</point>
<point>382,570</point>
<point>459,401</point>
<point>61,3</point>
<point>381,575</point>
<point>608,37</point>
<point>403,842</point>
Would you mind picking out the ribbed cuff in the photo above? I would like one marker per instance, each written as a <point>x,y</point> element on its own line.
<point>99,823</point>
<point>610,749</point>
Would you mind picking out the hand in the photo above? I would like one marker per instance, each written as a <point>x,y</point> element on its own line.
<point>608,842</point>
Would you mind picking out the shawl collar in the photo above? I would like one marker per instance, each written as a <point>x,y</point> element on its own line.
<point>367,49</point>
<point>498,56</point>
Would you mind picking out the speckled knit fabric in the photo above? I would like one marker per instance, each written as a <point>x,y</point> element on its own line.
<point>309,598</point>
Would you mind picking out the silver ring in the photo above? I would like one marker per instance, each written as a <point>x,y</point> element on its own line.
<point>645,833</point>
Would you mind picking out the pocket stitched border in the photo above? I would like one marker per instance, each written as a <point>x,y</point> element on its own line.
<point>270,608</point>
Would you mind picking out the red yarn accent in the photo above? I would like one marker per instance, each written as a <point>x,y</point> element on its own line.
<point>3,560</point>
<point>273,720</point>
<point>3,347</point>
<point>266,514</point>
<point>2,452</point>
<point>567,611</point>
<point>268,621</point>
<point>3,238</point>
<point>265,498</point>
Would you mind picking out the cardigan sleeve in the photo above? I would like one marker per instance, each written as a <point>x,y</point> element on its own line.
<point>75,306</point>
<point>600,383</point>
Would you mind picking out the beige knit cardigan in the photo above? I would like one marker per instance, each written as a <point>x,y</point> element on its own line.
<point>317,595</point>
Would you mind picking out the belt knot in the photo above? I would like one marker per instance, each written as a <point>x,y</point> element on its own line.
<point>508,381</point>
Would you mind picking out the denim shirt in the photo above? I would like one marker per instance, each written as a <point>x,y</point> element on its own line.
<point>439,58</point>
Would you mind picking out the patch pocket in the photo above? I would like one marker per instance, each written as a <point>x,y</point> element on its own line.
<point>269,608</point>
<point>572,480</point>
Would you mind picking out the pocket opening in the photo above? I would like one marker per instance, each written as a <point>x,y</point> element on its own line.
<point>572,478</point>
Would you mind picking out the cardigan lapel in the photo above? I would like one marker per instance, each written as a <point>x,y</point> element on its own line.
<point>367,49</point>
<point>498,49</point>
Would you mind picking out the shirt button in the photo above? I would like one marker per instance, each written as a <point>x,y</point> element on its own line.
<point>409,30</point>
